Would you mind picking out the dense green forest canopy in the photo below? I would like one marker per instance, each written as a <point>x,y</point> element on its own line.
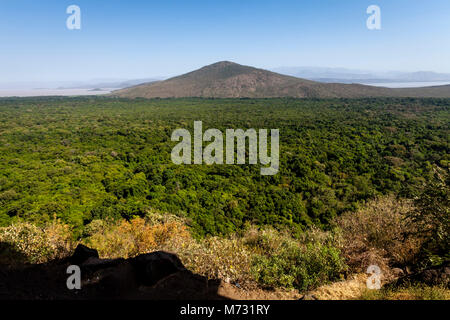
<point>87,158</point>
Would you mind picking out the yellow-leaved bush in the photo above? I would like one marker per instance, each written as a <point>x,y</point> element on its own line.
<point>24,242</point>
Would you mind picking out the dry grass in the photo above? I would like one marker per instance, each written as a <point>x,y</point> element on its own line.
<point>349,289</point>
<point>417,292</point>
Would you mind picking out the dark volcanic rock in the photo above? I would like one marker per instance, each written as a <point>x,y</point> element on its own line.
<point>92,264</point>
<point>183,285</point>
<point>152,267</point>
<point>83,253</point>
<point>156,275</point>
<point>113,281</point>
<point>438,275</point>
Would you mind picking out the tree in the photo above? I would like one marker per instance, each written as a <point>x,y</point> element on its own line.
<point>431,218</point>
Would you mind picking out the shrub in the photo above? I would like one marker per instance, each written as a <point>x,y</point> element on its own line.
<point>265,240</point>
<point>431,218</point>
<point>223,258</point>
<point>114,239</point>
<point>24,242</point>
<point>376,234</point>
<point>304,263</point>
<point>265,256</point>
<point>299,267</point>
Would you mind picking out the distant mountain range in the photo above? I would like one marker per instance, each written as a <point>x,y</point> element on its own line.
<point>231,80</point>
<point>343,75</point>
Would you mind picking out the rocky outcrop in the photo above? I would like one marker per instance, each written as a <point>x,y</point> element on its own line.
<point>155,275</point>
<point>434,276</point>
<point>152,267</point>
<point>82,253</point>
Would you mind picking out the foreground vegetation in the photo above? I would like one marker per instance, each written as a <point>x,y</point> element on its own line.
<point>412,292</point>
<point>380,233</point>
<point>98,171</point>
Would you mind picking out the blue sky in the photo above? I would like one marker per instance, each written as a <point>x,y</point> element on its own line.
<point>139,39</point>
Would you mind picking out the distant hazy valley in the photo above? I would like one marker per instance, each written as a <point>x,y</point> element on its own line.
<point>324,75</point>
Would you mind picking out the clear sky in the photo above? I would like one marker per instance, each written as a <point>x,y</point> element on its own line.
<point>139,39</point>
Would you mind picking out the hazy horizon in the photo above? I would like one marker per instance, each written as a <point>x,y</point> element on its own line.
<point>103,82</point>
